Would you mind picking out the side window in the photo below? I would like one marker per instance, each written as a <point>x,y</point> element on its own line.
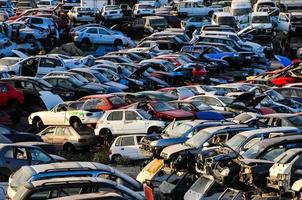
<point>49,131</point>
<point>20,153</point>
<point>251,143</point>
<point>47,62</point>
<point>92,31</point>
<point>131,115</point>
<point>89,77</point>
<point>115,116</point>
<point>139,139</point>
<point>65,84</point>
<point>128,141</point>
<point>298,162</point>
<point>3,88</point>
<point>103,32</point>
<point>217,139</point>
<point>212,101</point>
<point>272,153</point>
<point>60,131</point>
<point>118,142</point>
<point>38,155</point>
<point>9,153</point>
<point>36,20</point>
<point>52,82</point>
<point>27,85</point>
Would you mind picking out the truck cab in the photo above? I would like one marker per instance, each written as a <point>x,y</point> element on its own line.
<point>195,8</point>
<point>262,22</point>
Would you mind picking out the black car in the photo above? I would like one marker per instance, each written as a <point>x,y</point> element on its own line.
<point>78,88</point>
<point>16,136</point>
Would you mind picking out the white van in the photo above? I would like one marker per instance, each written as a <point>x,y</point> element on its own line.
<point>225,18</point>
<point>264,3</point>
<point>261,21</point>
<point>241,10</point>
<point>195,8</point>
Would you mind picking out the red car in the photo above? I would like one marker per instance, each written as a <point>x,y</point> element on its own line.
<point>30,12</point>
<point>106,101</point>
<point>162,110</point>
<point>10,96</point>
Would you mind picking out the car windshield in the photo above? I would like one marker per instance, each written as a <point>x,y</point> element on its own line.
<point>227,20</point>
<point>8,61</point>
<point>4,130</point>
<point>236,142</point>
<point>199,139</point>
<point>254,151</point>
<point>275,96</point>
<point>201,106</point>
<point>295,120</point>
<point>101,78</point>
<point>144,114</point>
<point>115,100</point>
<point>226,100</point>
<point>44,84</point>
<point>208,88</point>
<point>240,11</point>
<point>80,78</point>
<point>261,19</point>
<point>162,106</point>
<point>158,22</point>
<point>179,130</point>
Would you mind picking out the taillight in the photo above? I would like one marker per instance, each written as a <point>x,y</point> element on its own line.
<point>81,140</point>
<point>110,151</point>
<point>148,192</point>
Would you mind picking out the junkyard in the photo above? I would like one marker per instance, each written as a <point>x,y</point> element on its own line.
<point>151,99</point>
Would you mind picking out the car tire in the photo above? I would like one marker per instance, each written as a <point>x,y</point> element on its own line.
<point>116,158</point>
<point>106,137</point>
<point>118,42</point>
<point>37,124</point>
<point>4,174</point>
<point>152,130</point>
<point>68,148</point>
<point>75,122</point>
<point>85,42</point>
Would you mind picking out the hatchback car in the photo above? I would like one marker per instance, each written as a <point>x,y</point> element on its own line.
<point>68,139</point>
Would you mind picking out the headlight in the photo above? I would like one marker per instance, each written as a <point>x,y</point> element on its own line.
<point>225,172</point>
<point>153,144</point>
<point>283,177</point>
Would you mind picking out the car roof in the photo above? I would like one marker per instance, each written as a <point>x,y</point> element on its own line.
<point>15,145</point>
<point>269,130</point>
<point>280,115</point>
<point>275,140</point>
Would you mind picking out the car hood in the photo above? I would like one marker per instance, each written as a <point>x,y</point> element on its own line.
<point>177,113</point>
<point>49,99</point>
<point>168,151</point>
<point>249,99</point>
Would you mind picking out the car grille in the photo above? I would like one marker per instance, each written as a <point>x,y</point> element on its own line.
<point>113,12</point>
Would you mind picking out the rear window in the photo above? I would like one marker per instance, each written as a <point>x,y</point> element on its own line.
<point>116,100</point>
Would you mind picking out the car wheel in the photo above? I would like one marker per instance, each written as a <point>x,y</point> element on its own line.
<point>37,123</point>
<point>153,130</point>
<point>118,42</point>
<point>75,123</point>
<point>116,158</point>
<point>85,42</point>
<point>69,148</point>
<point>106,137</point>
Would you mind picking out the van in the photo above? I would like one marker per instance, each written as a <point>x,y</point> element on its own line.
<point>262,22</point>
<point>264,4</point>
<point>225,18</point>
<point>195,8</point>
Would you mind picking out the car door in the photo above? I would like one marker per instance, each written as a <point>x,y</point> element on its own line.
<point>92,34</point>
<point>115,122</point>
<point>48,65</point>
<point>29,67</point>
<point>128,147</point>
<point>60,137</point>
<point>48,134</point>
<point>56,116</point>
<point>133,123</point>
<point>37,156</point>
<point>15,157</point>
<point>105,37</point>
<point>283,22</point>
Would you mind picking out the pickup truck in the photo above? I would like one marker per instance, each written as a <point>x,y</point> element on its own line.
<point>290,22</point>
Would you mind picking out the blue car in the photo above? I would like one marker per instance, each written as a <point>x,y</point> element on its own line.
<point>211,52</point>
<point>177,135</point>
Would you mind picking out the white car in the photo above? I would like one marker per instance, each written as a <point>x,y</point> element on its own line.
<point>126,147</point>
<point>28,32</point>
<point>47,4</point>
<point>195,8</point>
<point>127,121</point>
<point>98,35</point>
<point>82,14</point>
<point>70,113</point>
<point>7,47</point>
<point>142,10</point>
<point>215,101</point>
<point>111,12</point>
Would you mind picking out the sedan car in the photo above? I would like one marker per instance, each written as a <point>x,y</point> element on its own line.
<point>27,32</point>
<point>106,101</point>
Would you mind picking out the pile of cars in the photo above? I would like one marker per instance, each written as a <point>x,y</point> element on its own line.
<point>203,96</point>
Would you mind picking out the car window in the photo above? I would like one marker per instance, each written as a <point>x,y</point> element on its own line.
<point>298,162</point>
<point>272,153</point>
<point>212,101</point>
<point>60,131</point>
<point>16,153</point>
<point>38,155</point>
<point>53,82</point>
<point>127,141</point>
<point>49,193</point>
<point>27,85</point>
<point>131,115</point>
<point>115,116</point>
<point>220,138</point>
<point>118,142</point>
<point>139,139</point>
<point>49,131</point>
<point>48,62</point>
<point>92,31</point>
<point>65,84</point>
<point>36,21</point>
<point>103,32</point>
<point>3,88</point>
<point>251,143</point>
